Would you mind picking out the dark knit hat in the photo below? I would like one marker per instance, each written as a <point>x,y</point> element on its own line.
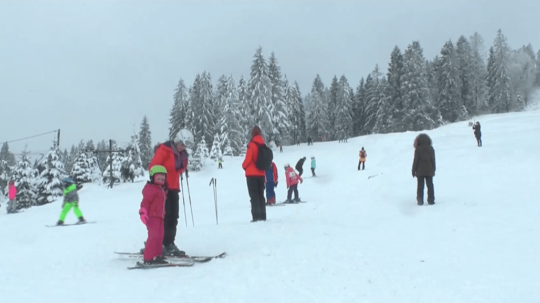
<point>255,131</point>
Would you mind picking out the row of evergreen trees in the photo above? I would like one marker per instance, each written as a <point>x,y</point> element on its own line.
<point>414,94</point>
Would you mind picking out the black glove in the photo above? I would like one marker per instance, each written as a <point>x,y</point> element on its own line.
<point>275,185</point>
<point>187,176</point>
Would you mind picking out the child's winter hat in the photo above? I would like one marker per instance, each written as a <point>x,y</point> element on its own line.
<point>286,165</point>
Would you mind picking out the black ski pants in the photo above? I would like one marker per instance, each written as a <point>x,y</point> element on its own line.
<point>362,164</point>
<point>172,209</point>
<point>300,171</point>
<point>420,190</point>
<point>293,188</point>
<point>256,194</point>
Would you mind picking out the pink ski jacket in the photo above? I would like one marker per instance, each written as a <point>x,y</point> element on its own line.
<point>12,192</point>
<point>154,200</point>
<point>291,177</point>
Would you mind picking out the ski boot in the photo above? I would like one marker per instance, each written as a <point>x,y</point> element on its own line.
<point>81,220</point>
<point>297,200</point>
<point>159,260</point>
<point>172,250</point>
<point>60,222</point>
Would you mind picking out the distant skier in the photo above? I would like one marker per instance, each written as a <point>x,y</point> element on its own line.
<point>477,133</point>
<point>12,195</point>
<point>313,166</point>
<point>292,184</point>
<point>220,166</point>
<point>152,214</point>
<point>363,156</point>
<point>423,168</point>
<point>71,200</point>
<point>271,182</point>
<point>280,148</point>
<point>300,166</point>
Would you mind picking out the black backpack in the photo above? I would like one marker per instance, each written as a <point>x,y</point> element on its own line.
<point>264,157</point>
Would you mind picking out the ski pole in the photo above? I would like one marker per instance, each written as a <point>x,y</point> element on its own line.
<point>189,196</point>
<point>183,199</point>
<point>215,199</point>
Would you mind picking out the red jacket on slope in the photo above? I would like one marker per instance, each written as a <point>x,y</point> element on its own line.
<point>251,157</point>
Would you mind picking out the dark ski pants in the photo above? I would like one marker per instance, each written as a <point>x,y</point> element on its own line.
<point>291,189</point>
<point>300,171</point>
<point>313,172</point>
<point>171,217</point>
<point>256,194</point>
<point>220,166</point>
<point>420,190</point>
<point>479,140</point>
<point>361,163</point>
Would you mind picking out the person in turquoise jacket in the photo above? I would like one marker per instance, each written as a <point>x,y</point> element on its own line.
<point>313,166</point>
<point>71,200</point>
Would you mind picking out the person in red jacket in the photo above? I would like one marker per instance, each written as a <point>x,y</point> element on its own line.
<point>255,177</point>
<point>174,157</point>
<point>152,213</point>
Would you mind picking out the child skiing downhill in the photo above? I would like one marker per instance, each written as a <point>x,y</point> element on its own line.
<point>313,166</point>
<point>12,194</point>
<point>152,214</point>
<point>71,200</point>
<point>271,181</point>
<point>292,183</point>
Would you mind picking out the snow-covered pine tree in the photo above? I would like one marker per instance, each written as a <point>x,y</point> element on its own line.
<point>227,149</point>
<point>201,96</point>
<point>414,90</point>
<point>393,91</point>
<point>49,182</point>
<point>178,112</point>
<point>116,160</point>
<point>101,156</point>
<point>464,58</point>
<point>479,74</point>
<point>333,109</point>
<point>343,127</point>
<point>300,112</point>
<point>132,164</point>
<point>24,176</point>
<point>383,117</point>
<point>215,152</point>
<point>5,173</point>
<point>374,93</point>
<point>195,161</point>
<point>145,143</point>
<point>449,103</point>
<point>6,155</point>
<point>80,172</point>
<point>499,88</point>
<point>537,77</point>
<point>317,121</point>
<point>247,121</point>
<point>219,105</point>
<point>229,125</point>
<point>358,109</point>
<point>260,96</point>
<point>521,70</point>
<point>280,117</point>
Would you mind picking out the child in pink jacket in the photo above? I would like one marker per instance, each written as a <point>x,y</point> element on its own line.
<point>12,195</point>
<point>152,214</point>
<point>292,183</point>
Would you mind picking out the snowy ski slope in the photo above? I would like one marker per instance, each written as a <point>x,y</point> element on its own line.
<point>356,240</point>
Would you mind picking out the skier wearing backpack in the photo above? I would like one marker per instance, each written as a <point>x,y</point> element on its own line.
<point>300,166</point>
<point>477,133</point>
<point>292,184</point>
<point>255,176</point>
<point>71,200</point>
<point>363,156</point>
<point>271,182</point>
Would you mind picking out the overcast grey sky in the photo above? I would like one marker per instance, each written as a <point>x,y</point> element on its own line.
<point>94,68</point>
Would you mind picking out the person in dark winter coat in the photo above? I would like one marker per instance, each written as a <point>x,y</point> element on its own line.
<point>299,166</point>
<point>362,162</point>
<point>477,133</point>
<point>255,177</point>
<point>423,168</point>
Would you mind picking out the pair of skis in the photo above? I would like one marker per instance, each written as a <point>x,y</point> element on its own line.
<point>176,261</point>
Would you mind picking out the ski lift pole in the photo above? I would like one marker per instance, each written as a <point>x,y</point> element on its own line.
<point>189,196</point>
<point>183,199</point>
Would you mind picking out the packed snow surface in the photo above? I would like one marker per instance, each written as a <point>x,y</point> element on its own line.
<point>357,239</point>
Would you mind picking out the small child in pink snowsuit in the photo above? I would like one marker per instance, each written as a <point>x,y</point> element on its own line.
<point>152,214</point>
<point>292,183</point>
<point>12,195</point>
